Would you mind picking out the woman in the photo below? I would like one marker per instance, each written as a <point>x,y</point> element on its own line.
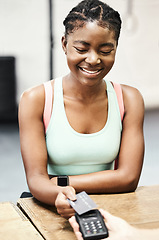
<point>84,134</point>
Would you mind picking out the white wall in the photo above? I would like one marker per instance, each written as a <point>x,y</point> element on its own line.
<point>137,60</point>
<point>24,33</point>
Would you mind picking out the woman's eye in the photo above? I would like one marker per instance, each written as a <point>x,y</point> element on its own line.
<point>106,52</point>
<point>80,50</point>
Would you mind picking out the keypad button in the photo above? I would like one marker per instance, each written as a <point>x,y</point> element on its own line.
<point>88,232</point>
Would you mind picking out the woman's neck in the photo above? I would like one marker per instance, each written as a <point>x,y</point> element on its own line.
<point>72,88</point>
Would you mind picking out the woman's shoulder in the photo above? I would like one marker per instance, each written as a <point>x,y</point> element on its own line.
<point>35,94</point>
<point>133,99</point>
<point>127,89</point>
<point>34,98</point>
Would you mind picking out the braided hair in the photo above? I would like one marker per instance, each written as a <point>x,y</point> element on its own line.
<point>89,11</point>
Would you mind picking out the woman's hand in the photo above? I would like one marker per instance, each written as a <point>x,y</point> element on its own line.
<point>61,203</point>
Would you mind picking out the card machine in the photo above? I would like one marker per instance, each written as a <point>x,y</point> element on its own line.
<point>91,225</point>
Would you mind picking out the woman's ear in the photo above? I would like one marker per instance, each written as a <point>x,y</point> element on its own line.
<point>64,43</point>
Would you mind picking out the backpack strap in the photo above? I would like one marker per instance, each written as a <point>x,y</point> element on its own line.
<point>48,104</point>
<point>118,90</point>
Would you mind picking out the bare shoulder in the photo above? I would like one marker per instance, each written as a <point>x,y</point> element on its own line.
<point>33,99</point>
<point>33,93</point>
<point>133,100</point>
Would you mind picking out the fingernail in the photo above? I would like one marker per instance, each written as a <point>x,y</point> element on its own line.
<point>73,197</point>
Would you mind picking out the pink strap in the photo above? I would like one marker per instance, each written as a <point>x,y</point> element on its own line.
<point>48,104</point>
<point>119,95</point>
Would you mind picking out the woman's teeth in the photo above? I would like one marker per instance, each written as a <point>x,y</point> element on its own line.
<point>89,71</point>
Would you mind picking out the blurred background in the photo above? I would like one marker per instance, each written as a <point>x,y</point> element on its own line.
<point>31,53</point>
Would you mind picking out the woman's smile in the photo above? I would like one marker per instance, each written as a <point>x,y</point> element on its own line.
<point>92,72</point>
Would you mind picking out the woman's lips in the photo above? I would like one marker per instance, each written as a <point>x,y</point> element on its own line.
<point>96,71</point>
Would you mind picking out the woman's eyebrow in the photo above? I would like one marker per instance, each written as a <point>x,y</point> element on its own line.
<point>109,44</point>
<point>81,42</point>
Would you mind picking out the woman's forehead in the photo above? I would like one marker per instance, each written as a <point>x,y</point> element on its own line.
<point>92,30</point>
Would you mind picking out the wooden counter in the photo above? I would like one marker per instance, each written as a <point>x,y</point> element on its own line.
<point>140,208</point>
<point>14,225</point>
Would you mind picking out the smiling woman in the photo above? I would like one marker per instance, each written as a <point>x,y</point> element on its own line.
<point>72,125</point>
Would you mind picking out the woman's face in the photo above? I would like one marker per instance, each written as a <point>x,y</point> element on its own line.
<point>90,52</point>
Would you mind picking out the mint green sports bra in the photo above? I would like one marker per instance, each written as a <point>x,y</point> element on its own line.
<point>73,153</point>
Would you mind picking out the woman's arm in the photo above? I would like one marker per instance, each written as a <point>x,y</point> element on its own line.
<point>33,148</point>
<point>126,177</point>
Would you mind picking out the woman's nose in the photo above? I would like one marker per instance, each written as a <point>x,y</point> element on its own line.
<point>92,58</point>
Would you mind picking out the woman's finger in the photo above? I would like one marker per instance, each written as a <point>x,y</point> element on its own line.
<point>69,192</point>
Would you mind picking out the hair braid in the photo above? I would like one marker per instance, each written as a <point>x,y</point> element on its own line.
<point>89,11</point>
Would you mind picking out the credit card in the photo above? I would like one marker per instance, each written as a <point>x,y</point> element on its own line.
<point>83,203</point>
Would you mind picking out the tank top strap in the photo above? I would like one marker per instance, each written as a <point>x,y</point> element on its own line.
<point>109,86</point>
<point>58,90</point>
<point>58,95</point>
<point>117,87</point>
<point>48,99</point>
<point>48,104</point>
<point>119,94</point>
